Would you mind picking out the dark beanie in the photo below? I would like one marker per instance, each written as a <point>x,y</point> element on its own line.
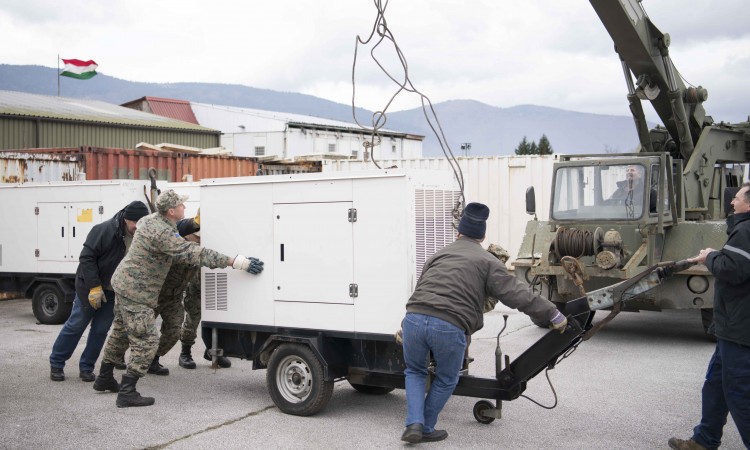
<point>473,222</point>
<point>135,210</point>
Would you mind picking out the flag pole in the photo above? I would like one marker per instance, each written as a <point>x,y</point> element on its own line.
<point>58,74</point>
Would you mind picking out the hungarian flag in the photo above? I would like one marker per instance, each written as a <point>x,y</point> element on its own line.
<point>75,68</point>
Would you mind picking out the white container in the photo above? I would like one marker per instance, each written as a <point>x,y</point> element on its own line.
<point>342,251</point>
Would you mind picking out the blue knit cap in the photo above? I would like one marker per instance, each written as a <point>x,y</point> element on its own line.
<point>473,222</point>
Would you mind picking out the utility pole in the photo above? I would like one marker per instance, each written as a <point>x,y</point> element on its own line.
<point>466,148</point>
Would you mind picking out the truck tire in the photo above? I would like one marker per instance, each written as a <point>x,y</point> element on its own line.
<point>371,390</point>
<point>49,306</point>
<point>295,380</point>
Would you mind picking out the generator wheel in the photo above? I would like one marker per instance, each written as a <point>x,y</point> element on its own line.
<point>479,408</point>
<point>49,306</point>
<point>371,390</point>
<point>295,380</point>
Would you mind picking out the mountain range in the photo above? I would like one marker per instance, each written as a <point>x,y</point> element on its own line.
<point>490,130</point>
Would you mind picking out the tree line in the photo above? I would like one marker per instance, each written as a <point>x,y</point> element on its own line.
<point>532,148</point>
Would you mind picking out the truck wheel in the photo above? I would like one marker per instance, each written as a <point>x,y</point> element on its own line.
<point>707,317</point>
<point>49,305</point>
<point>295,380</point>
<point>479,408</point>
<point>371,390</point>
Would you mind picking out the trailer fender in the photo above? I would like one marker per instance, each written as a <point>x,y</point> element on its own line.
<point>66,285</point>
<point>323,351</point>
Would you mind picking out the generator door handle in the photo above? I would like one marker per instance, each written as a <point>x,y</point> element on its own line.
<point>282,252</point>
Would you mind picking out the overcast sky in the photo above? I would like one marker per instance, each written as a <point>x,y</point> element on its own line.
<point>504,53</point>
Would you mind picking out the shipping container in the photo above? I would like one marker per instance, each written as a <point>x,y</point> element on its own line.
<point>96,163</point>
<point>500,182</point>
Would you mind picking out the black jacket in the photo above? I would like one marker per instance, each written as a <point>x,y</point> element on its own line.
<point>731,269</point>
<point>102,252</point>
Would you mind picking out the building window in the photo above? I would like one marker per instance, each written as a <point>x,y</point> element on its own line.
<point>355,154</point>
<point>260,151</point>
<point>331,148</point>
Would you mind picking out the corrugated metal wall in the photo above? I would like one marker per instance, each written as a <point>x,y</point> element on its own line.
<point>118,164</point>
<point>500,182</point>
<point>38,133</point>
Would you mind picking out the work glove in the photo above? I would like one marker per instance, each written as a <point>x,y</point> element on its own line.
<point>399,336</point>
<point>558,322</point>
<point>250,265</point>
<point>96,297</point>
<point>197,218</point>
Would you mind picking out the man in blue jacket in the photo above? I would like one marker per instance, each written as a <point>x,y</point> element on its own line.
<point>105,246</point>
<point>727,386</point>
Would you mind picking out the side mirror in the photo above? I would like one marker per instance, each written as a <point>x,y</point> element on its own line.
<point>530,201</point>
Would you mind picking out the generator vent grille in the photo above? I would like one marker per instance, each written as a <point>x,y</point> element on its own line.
<point>215,290</point>
<point>434,223</point>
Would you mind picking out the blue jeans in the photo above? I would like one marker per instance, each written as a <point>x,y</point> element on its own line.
<point>447,342</point>
<point>726,390</point>
<point>80,317</point>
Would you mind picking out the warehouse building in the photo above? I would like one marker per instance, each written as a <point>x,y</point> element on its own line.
<point>285,137</point>
<point>40,121</point>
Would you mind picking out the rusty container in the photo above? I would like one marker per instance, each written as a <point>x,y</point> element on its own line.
<point>96,163</point>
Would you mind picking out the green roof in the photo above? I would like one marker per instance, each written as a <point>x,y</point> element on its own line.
<point>93,111</point>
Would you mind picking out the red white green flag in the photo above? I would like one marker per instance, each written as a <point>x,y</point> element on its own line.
<point>75,68</point>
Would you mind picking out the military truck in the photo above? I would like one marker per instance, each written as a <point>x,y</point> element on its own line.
<point>614,215</point>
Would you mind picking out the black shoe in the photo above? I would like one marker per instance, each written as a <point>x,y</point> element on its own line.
<point>436,435</point>
<point>87,376</point>
<point>413,433</point>
<point>222,361</point>
<point>156,368</point>
<point>186,358</point>
<point>56,374</point>
<point>128,396</point>
<point>106,381</point>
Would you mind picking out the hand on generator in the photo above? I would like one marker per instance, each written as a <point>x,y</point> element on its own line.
<point>399,336</point>
<point>250,265</point>
<point>558,322</point>
<point>96,297</point>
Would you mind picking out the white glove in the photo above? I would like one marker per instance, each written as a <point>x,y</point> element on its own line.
<point>558,322</point>
<point>250,265</point>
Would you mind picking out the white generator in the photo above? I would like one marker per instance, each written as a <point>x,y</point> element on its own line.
<point>42,231</point>
<point>342,251</point>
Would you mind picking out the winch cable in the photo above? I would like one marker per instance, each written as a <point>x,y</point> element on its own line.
<point>379,118</point>
<point>576,243</point>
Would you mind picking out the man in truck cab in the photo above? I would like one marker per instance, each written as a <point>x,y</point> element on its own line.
<point>137,282</point>
<point>631,188</point>
<point>105,246</point>
<point>447,305</point>
<point>726,389</point>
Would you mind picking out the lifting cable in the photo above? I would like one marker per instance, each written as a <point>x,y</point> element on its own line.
<point>379,118</point>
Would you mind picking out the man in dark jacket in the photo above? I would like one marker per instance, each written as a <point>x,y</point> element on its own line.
<point>446,306</point>
<point>105,246</point>
<point>727,386</point>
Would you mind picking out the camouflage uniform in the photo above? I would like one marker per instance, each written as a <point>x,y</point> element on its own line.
<point>137,282</point>
<point>170,307</point>
<point>192,308</point>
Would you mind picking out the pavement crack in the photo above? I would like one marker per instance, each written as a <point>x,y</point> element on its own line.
<point>211,428</point>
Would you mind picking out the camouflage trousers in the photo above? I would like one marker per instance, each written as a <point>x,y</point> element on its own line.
<point>192,306</point>
<point>170,309</point>
<point>134,326</point>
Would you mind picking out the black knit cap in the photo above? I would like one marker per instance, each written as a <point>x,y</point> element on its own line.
<point>135,210</point>
<point>473,222</point>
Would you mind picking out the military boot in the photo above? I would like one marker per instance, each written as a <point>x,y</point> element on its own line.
<point>128,396</point>
<point>156,368</point>
<point>682,444</point>
<point>105,381</point>
<point>222,361</point>
<point>186,358</point>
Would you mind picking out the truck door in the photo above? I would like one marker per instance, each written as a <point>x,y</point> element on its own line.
<point>313,252</point>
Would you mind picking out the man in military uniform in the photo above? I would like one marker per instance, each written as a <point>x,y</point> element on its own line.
<point>137,282</point>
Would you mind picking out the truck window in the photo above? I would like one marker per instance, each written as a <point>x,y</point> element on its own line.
<point>614,192</point>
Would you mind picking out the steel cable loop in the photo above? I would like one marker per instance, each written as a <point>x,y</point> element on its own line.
<point>574,242</point>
